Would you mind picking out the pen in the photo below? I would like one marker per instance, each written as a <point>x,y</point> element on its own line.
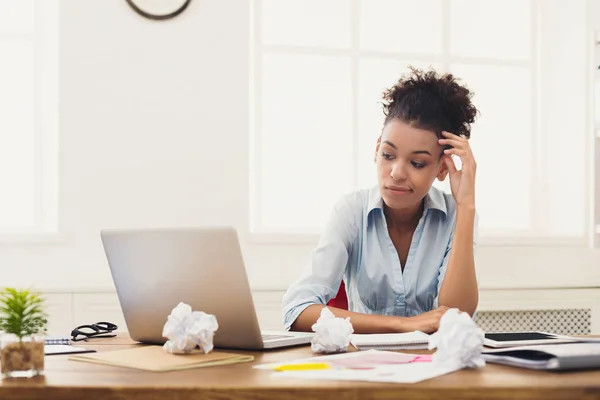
<point>302,367</point>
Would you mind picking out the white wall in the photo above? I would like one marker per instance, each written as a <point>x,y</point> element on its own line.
<point>154,131</point>
<point>594,13</point>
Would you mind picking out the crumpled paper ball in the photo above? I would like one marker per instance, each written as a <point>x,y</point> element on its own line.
<point>186,330</point>
<point>332,334</point>
<point>459,341</point>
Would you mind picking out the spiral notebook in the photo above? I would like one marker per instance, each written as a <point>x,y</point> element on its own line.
<point>416,340</point>
<point>54,340</point>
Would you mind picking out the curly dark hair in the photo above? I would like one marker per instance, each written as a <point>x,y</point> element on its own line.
<point>430,101</point>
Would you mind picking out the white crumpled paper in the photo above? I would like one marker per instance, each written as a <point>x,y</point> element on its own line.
<point>332,334</point>
<point>186,330</point>
<point>459,341</point>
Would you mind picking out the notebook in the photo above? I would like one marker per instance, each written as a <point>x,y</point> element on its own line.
<point>515,339</point>
<point>416,340</point>
<point>58,340</point>
<point>154,358</point>
<point>557,357</point>
<point>52,349</point>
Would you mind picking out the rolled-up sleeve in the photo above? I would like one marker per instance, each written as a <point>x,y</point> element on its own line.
<point>321,278</point>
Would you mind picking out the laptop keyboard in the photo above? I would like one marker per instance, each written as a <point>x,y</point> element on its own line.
<point>274,337</point>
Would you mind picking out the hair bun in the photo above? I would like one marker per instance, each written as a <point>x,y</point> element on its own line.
<point>431,101</point>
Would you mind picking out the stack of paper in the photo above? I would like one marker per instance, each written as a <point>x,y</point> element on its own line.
<point>391,341</point>
<point>548,357</point>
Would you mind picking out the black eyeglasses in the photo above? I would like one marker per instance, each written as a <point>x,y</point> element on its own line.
<point>97,330</point>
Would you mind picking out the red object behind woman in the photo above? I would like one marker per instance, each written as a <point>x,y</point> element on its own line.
<point>340,300</point>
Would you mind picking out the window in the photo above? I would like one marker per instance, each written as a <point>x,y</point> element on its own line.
<point>28,116</point>
<point>319,69</point>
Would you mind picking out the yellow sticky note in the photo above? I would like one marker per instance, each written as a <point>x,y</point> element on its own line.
<point>302,367</point>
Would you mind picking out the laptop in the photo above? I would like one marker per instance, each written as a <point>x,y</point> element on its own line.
<point>155,269</point>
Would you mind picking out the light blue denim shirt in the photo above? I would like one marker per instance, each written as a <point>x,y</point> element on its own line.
<point>355,246</point>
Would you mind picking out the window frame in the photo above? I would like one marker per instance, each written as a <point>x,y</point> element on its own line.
<point>45,40</point>
<point>261,235</point>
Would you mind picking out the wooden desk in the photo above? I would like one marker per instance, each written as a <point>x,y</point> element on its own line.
<point>66,379</point>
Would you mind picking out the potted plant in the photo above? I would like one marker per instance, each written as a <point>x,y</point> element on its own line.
<point>23,320</point>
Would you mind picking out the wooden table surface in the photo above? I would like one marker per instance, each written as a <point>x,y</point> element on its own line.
<point>65,379</point>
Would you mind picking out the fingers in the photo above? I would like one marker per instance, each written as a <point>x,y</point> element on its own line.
<point>459,152</point>
<point>449,164</point>
<point>460,147</point>
<point>456,142</point>
<point>453,140</point>
<point>452,136</point>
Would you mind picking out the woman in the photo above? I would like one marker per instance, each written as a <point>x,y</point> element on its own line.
<point>403,248</point>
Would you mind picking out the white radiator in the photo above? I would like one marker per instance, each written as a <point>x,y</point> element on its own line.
<point>564,321</point>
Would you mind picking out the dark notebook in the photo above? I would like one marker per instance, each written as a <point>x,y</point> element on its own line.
<point>553,357</point>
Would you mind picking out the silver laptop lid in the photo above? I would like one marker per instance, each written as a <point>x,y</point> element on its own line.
<point>155,269</point>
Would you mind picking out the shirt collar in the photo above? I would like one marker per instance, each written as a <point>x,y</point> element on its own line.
<point>434,200</point>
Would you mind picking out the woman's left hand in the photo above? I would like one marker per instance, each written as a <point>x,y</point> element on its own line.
<point>462,182</point>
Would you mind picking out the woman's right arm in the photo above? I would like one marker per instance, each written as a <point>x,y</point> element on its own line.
<point>320,282</point>
<point>322,276</point>
<point>370,323</point>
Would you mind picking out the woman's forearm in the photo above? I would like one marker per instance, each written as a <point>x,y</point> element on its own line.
<point>362,323</point>
<point>459,289</point>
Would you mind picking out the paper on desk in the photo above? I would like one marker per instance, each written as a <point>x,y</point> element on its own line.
<point>401,373</point>
<point>370,365</point>
<point>332,334</point>
<point>364,359</point>
<point>391,341</point>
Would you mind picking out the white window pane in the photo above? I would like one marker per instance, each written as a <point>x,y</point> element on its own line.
<point>16,16</point>
<point>374,76</point>
<point>306,140</point>
<point>564,43</point>
<point>597,98</point>
<point>409,26</point>
<point>47,89</point>
<point>306,23</point>
<point>17,178</point>
<point>502,144</point>
<point>491,28</point>
<point>564,125</point>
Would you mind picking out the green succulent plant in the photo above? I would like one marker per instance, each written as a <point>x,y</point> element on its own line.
<point>22,312</point>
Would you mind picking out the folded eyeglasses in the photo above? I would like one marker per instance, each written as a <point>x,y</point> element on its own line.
<point>97,330</point>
